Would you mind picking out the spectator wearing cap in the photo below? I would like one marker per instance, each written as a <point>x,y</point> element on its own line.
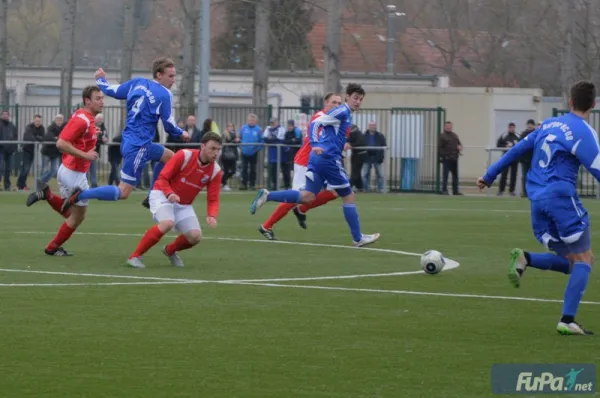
<point>275,134</point>
<point>250,133</point>
<point>508,140</point>
<point>525,160</point>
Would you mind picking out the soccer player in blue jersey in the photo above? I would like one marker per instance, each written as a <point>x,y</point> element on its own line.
<point>559,220</point>
<point>148,101</point>
<point>325,165</point>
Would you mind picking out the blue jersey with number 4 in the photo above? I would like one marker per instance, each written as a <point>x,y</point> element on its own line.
<point>147,102</point>
<point>559,147</point>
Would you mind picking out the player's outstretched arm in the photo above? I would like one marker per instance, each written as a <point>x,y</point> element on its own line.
<point>169,173</point>
<point>510,157</point>
<point>118,91</point>
<point>587,152</point>
<point>166,115</point>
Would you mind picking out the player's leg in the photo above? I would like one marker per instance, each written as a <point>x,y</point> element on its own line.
<point>186,222</point>
<point>164,214</point>
<point>43,192</point>
<point>161,156</point>
<point>323,197</point>
<point>291,195</point>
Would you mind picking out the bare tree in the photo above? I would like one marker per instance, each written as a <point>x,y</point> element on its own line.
<point>261,55</point>
<point>3,54</point>
<point>128,38</point>
<point>567,65</point>
<point>189,55</point>
<point>67,50</point>
<point>332,46</point>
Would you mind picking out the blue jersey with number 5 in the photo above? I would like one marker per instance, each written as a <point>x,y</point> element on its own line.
<point>559,147</point>
<point>147,102</point>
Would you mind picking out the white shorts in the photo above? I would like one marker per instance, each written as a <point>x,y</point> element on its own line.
<point>68,180</point>
<point>183,216</point>
<point>299,182</point>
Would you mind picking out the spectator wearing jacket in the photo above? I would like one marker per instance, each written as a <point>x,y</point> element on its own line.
<point>8,132</point>
<point>373,157</point>
<point>275,134</point>
<point>229,155</point>
<point>449,150</point>
<point>177,140</point>
<point>296,140</point>
<point>114,158</point>
<point>102,138</point>
<point>34,132</point>
<point>195,134</point>
<point>509,140</point>
<point>50,153</point>
<point>525,160</point>
<point>250,133</point>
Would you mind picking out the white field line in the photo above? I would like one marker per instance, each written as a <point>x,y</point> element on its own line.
<point>108,276</point>
<point>91,284</point>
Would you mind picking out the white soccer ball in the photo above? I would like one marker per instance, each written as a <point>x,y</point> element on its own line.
<point>432,262</point>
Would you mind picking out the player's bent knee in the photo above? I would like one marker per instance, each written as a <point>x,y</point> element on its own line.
<point>307,197</point>
<point>166,225</point>
<point>125,189</point>
<point>167,154</point>
<point>194,236</point>
<point>586,257</point>
<point>348,199</point>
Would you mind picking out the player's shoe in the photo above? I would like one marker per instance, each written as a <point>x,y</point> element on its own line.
<point>366,240</point>
<point>259,200</point>
<point>41,193</point>
<point>518,264</point>
<point>136,262</point>
<point>300,217</point>
<point>71,200</point>
<point>146,202</point>
<point>59,252</point>
<point>175,260</point>
<point>572,329</point>
<point>267,233</point>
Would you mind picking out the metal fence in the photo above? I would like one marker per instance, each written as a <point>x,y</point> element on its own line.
<point>410,165</point>
<point>587,186</point>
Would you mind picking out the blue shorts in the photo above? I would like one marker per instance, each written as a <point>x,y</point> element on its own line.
<point>561,224</point>
<point>135,159</point>
<point>326,171</point>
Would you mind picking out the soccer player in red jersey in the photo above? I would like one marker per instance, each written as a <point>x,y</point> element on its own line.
<point>77,142</point>
<point>187,173</point>
<point>331,101</point>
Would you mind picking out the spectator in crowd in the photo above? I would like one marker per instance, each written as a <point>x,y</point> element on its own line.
<point>293,137</point>
<point>195,134</point>
<point>229,155</point>
<point>275,134</point>
<point>250,133</point>
<point>508,140</point>
<point>114,158</point>
<point>178,140</point>
<point>525,160</point>
<point>50,153</point>
<point>8,132</point>
<point>374,157</point>
<point>34,132</point>
<point>449,150</point>
<point>102,138</point>
<point>357,158</point>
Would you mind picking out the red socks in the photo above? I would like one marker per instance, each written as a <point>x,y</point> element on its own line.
<point>150,238</point>
<point>56,203</point>
<point>322,198</point>
<point>278,214</point>
<point>64,233</point>
<point>179,244</point>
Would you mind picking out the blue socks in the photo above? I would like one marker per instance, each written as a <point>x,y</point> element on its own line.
<point>549,261</point>
<point>106,192</point>
<point>351,216</point>
<point>289,196</point>
<point>575,288</point>
<point>155,172</point>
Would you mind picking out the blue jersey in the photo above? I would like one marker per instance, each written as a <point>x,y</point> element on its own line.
<point>147,102</point>
<point>336,123</point>
<point>559,147</point>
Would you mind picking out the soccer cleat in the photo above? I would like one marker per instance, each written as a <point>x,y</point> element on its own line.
<point>136,262</point>
<point>300,217</point>
<point>267,233</point>
<point>259,200</point>
<point>71,200</point>
<point>572,329</point>
<point>40,194</point>
<point>175,260</point>
<point>518,264</point>
<point>366,240</point>
<point>59,252</point>
<point>146,202</point>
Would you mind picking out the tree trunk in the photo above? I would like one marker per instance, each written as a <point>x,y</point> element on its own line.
<point>129,7</point>
<point>68,52</point>
<point>261,58</point>
<point>4,100</point>
<point>189,57</point>
<point>332,47</point>
<point>567,52</point>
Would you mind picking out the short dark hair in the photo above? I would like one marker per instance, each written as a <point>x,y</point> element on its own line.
<point>511,124</point>
<point>160,64</point>
<point>583,95</point>
<point>352,88</point>
<point>328,95</point>
<point>88,92</point>
<point>37,115</point>
<point>211,136</point>
<point>447,122</point>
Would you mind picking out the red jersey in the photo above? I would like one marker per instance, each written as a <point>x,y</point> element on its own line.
<point>303,153</point>
<point>80,131</point>
<point>185,176</point>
